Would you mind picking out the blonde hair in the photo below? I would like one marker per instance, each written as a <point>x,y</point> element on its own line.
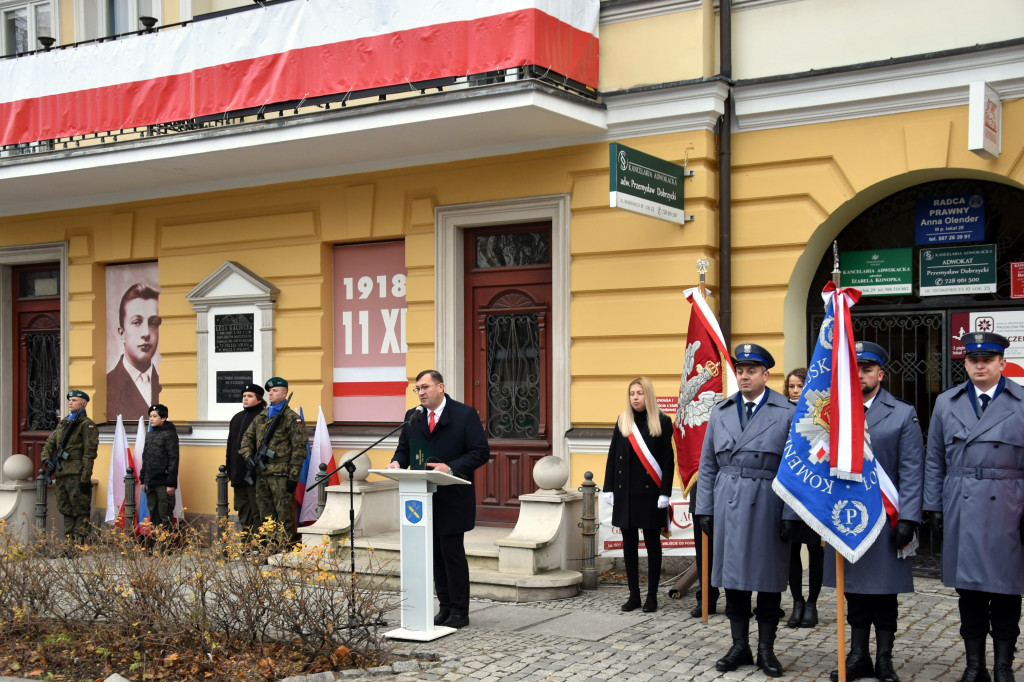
<point>651,403</point>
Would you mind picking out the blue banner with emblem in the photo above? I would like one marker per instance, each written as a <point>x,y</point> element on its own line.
<point>846,514</point>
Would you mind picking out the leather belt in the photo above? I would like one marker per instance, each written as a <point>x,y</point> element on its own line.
<point>746,472</point>
<point>984,472</point>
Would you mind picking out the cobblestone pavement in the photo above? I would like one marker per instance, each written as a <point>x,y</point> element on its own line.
<point>590,638</point>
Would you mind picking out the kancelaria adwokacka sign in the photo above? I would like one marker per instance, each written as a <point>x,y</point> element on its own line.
<point>645,184</point>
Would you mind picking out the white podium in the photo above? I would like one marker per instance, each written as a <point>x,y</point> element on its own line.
<point>416,519</point>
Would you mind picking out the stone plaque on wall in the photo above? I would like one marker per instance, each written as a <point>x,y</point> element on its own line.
<point>230,385</point>
<point>233,333</point>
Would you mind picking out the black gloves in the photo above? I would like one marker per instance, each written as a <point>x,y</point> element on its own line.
<point>290,486</point>
<point>707,524</point>
<point>85,486</point>
<point>904,533</point>
<point>935,520</point>
<point>789,530</point>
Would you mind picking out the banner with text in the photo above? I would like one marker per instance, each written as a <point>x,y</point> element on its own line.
<point>878,273</point>
<point>948,220</point>
<point>645,184</point>
<point>680,544</point>
<point>1009,323</point>
<point>958,270</point>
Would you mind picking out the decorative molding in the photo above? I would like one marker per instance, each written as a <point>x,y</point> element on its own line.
<point>881,90</point>
<point>615,13</point>
<point>684,107</point>
<point>449,284</point>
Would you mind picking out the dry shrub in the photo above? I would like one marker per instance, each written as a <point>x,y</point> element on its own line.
<point>156,599</point>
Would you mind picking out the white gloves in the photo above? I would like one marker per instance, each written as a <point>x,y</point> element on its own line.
<point>609,498</point>
<point>662,501</point>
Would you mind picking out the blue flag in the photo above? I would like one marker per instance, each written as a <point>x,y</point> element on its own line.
<point>846,514</point>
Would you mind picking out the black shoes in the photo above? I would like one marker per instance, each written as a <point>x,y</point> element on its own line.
<point>696,611</point>
<point>739,653</point>
<point>798,614</point>
<point>632,604</point>
<point>441,617</point>
<point>650,604</point>
<point>456,621</point>
<point>809,618</point>
<point>858,662</point>
<point>976,670</point>
<point>1002,670</point>
<point>766,659</point>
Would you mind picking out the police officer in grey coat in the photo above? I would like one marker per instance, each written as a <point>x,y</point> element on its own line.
<point>871,584</point>
<point>974,488</point>
<point>742,451</point>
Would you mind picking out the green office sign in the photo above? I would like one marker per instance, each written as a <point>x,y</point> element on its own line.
<point>645,184</point>
<point>958,270</point>
<point>883,272</point>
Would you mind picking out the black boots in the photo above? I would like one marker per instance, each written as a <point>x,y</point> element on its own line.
<point>766,659</point>
<point>653,578</point>
<point>883,657</point>
<point>810,615</point>
<point>1002,671</point>
<point>858,663</point>
<point>633,581</point>
<point>976,670</point>
<point>798,614</point>
<point>739,653</point>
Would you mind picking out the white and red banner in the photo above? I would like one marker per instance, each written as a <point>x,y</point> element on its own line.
<point>707,375</point>
<point>285,52</point>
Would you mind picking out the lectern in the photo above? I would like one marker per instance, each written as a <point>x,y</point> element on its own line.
<point>416,518</point>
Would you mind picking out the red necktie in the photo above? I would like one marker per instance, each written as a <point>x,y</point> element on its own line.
<point>430,424</point>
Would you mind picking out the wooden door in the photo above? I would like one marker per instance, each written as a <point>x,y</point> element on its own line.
<point>508,341</point>
<point>36,316</point>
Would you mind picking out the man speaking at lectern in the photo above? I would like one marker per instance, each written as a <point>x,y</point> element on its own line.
<point>451,435</point>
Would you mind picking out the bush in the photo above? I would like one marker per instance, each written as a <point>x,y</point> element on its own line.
<point>170,607</point>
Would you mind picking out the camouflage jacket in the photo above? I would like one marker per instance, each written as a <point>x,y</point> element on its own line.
<point>288,443</point>
<point>81,448</point>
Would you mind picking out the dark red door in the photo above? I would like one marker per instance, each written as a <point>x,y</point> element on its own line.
<point>508,341</point>
<point>36,316</point>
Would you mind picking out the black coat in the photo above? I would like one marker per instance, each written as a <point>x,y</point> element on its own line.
<point>239,423</point>
<point>160,457</point>
<point>458,440</point>
<point>636,494</point>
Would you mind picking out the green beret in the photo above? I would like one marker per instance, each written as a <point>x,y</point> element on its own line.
<point>78,394</point>
<point>275,381</point>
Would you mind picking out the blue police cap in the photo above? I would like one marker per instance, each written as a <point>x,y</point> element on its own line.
<point>753,354</point>
<point>984,343</point>
<point>78,394</point>
<point>871,352</point>
<point>275,381</point>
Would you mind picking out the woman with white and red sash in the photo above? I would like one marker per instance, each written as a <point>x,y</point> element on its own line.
<point>638,482</point>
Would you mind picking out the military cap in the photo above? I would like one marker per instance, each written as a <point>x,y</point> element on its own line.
<point>254,388</point>
<point>753,354</point>
<point>984,343</point>
<point>275,381</point>
<point>78,394</point>
<point>868,352</point>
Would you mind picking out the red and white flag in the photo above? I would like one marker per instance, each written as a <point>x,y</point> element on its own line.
<point>120,460</point>
<point>320,454</point>
<point>846,408</point>
<point>707,375</point>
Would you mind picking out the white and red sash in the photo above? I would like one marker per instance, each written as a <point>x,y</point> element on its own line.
<point>644,453</point>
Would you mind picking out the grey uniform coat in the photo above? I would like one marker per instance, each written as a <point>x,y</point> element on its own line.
<point>749,551</point>
<point>897,445</point>
<point>981,547</point>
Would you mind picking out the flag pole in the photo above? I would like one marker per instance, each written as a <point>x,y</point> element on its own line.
<point>840,564</point>
<point>702,287</point>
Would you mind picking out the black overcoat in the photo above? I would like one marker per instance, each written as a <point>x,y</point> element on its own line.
<point>636,493</point>
<point>458,440</point>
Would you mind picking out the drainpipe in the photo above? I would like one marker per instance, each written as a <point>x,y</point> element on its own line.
<point>725,175</point>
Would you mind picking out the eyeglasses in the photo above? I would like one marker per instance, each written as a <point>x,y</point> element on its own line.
<point>422,389</point>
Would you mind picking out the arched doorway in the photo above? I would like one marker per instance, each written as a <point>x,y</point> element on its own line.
<point>921,332</point>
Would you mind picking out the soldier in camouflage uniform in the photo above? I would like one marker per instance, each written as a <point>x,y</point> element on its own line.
<point>74,480</point>
<point>275,487</point>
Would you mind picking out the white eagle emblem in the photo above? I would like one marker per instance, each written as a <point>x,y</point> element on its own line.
<point>695,405</point>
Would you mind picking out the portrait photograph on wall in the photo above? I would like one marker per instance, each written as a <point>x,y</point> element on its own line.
<point>133,340</point>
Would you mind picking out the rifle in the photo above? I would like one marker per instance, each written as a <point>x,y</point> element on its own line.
<point>56,462</point>
<point>257,462</point>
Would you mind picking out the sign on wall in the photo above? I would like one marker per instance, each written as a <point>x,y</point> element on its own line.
<point>1017,280</point>
<point>680,544</point>
<point>958,270</point>
<point>950,219</point>
<point>370,381</point>
<point>878,273</point>
<point>984,121</point>
<point>645,184</point>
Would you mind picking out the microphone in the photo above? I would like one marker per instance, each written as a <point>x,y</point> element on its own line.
<point>416,414</point>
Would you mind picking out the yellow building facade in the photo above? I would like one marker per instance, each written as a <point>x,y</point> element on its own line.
<point>818,138</point>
